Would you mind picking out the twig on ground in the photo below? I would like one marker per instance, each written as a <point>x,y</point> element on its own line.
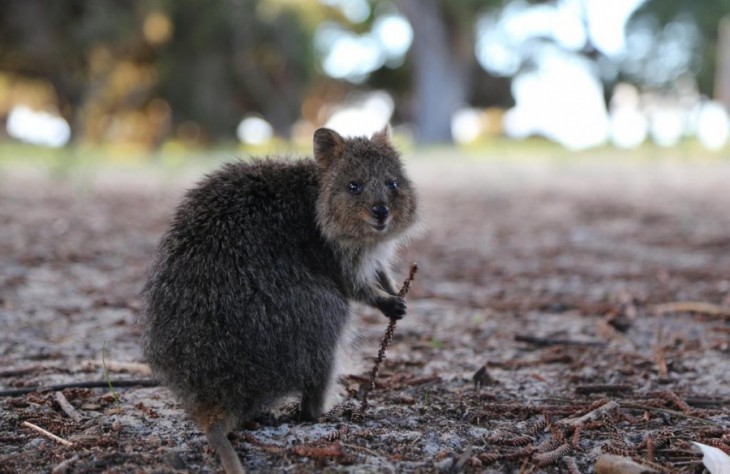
<point>64,466</point>
<point>331,450</point>
<point>693,307</point>
<point>549,341</point>
<point>118,366</point>
<point>649,441</point>
<point>591,416</point>
<point>603,388</point>
<point>384,342</point>
<point>465,456</point>
<point>674,398</point>
<point>706,401</point>
<point>47,433</point>
<point>23,370</point>
<point>638,406</point>
<point>608,463</point>
<point>22,453</point>
<point>660,357</point>
<point>67,407</point>
<point>93,384</point>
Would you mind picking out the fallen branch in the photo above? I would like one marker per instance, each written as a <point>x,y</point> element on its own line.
<point>24,370</point>
<point>706,402</point>
<point>384,342</point>
<point>603,388</point>
<point>333,450</point>
<point>608,463</point>
<point>67,407</point>
<point>549,341</point>
<point>64,466</point>
<point>47,433</point>
<point>693,307</point>
<point>117,366</point>
<point>638,406</point>
<point>592,415</point>
<point>93,384</point>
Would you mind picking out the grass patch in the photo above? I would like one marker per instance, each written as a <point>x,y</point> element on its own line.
<point>107,378</point>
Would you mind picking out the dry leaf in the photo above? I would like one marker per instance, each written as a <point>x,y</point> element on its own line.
<point>714,459</point>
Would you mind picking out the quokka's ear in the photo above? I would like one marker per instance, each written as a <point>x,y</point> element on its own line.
<point>383,136</point>
<point>328,147</point>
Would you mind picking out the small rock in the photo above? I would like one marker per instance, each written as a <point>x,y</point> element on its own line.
<point>173,459</point>
<point>445,465</point>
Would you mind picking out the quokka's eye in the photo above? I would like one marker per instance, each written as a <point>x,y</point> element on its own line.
<point>354,187</point>
<point>393,185</point>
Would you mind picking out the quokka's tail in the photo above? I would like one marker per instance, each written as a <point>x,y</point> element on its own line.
<point>217,437</point>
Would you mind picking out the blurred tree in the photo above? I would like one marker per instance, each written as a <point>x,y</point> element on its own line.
<point>442,54</point>
<point>231,57</point>
<point>56,41</point>
<point>211,62</point>
<point>202,66</point>
<point>722,63</point>
<point>443,61</point>
<point>663,19</point>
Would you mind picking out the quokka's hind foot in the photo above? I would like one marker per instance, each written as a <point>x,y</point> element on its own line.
<point>314,398</point>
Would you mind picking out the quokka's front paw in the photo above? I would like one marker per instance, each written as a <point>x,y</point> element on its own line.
<point>393,307</point>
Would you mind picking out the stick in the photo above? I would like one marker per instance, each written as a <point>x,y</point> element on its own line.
<point>119,366</point>
<point>13,371</point>
<point>638,406</point>
<point>93,384</point>
<point>661,361</point>
<point>590,416</point>
<point>47,433</point>
<point>549,341</point>
<point>67,407</point>
<point>65,465</point>
<point>693,307</point>
<point>603,388</point>
<point>384,342</point>
<point>706,402</point>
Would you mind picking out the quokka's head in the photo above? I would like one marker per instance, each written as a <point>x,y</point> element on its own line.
<point>365,195</point>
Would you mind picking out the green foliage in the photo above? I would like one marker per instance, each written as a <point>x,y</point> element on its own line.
<point>104,353</point>
<point>706,14</point>
<point>224,59</point>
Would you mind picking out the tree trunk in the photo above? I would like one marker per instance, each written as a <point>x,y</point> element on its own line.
<point>277,104</point>
<point>440,70</point>
<point>722,71</point>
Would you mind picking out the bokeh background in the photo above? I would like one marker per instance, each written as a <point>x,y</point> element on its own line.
<point>571,158</point>
<point>134,77</point>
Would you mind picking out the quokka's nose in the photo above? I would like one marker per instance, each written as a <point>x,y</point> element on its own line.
<point>380,212</point>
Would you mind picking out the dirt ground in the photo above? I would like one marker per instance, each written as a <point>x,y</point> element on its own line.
<point>568,288</point>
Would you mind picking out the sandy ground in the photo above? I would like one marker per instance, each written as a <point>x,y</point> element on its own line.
<point>546,279</point>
